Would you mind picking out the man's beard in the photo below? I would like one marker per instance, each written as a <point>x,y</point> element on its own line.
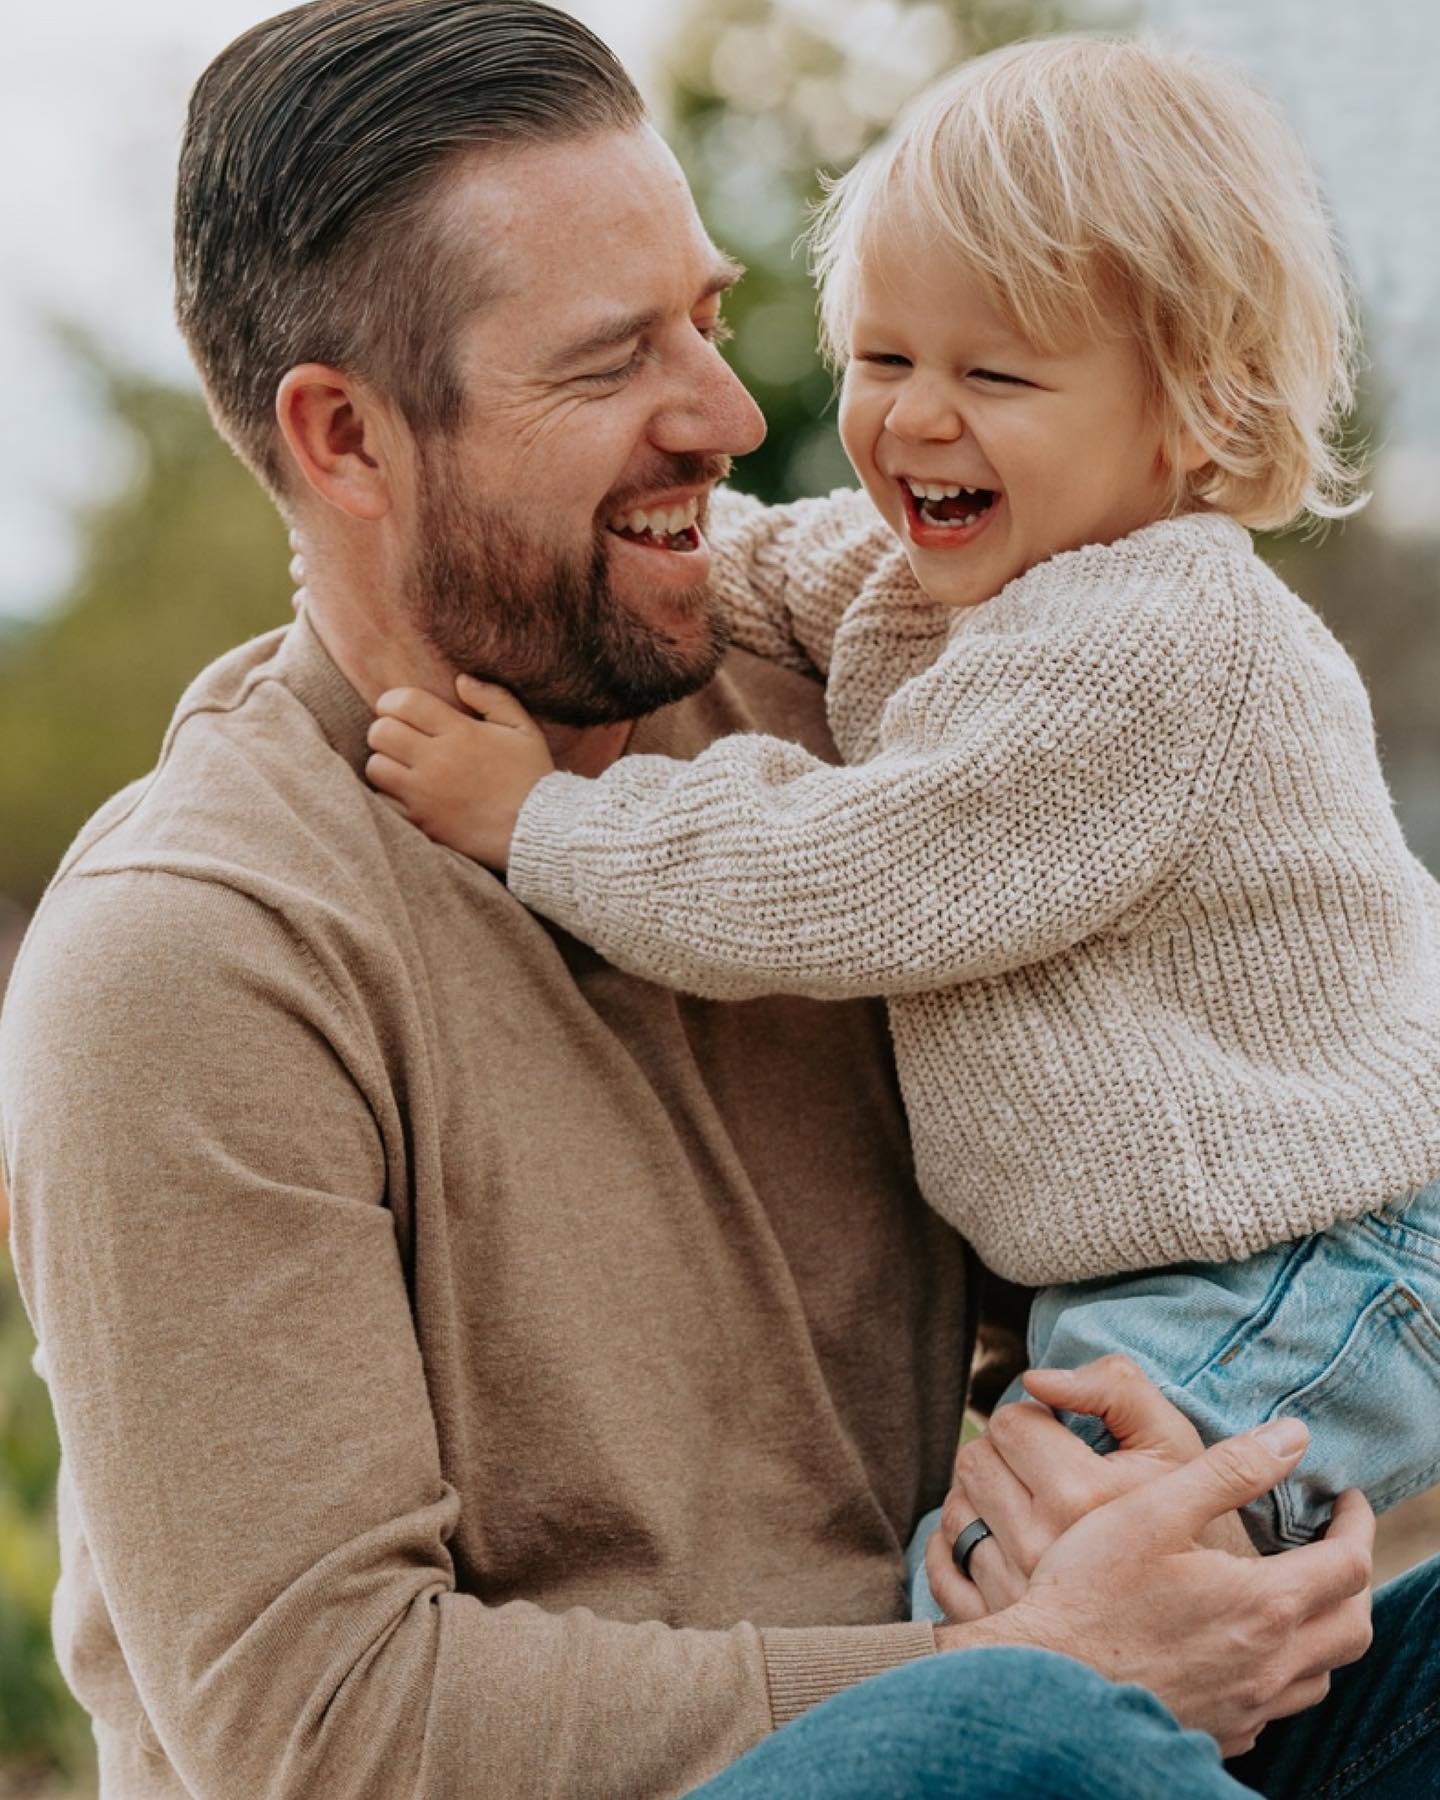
<point>501,606</point>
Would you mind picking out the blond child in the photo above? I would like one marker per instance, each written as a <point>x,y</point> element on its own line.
<point>1112,836</point>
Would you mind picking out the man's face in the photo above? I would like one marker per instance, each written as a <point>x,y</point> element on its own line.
<point>559,544</point>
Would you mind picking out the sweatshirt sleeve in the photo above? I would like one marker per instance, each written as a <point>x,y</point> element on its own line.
<point>223,1308</point>
<point>1028,790</point>
<point>785,574</point>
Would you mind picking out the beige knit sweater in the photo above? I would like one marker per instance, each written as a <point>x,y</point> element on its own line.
<point>1164,980</point>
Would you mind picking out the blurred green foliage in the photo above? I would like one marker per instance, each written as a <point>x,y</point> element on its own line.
<point>189,558</point>
<point>41,1727</point>
<point>185,561</point>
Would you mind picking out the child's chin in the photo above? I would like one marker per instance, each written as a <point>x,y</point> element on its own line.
<point>949,586</point>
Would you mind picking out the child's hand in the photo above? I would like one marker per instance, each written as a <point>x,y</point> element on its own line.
<point>461,778</point>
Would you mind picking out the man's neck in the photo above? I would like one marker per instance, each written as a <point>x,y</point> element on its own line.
<point>374,657</point>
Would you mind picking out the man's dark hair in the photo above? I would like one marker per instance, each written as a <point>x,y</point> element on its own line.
<point>309,221</point>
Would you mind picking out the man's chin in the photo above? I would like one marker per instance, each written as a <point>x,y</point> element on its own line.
<point>647,575</point>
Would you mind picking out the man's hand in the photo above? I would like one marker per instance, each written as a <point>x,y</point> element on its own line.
<point>1228,1643</point>
<point>462,777</point>
<point>1030,1479</point>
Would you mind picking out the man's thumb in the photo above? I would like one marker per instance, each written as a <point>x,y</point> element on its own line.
<point>1230,1474</point>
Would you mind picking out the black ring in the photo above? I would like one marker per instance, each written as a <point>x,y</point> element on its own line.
<point>975,1533</point>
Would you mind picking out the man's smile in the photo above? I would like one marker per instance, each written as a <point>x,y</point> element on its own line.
<point>660,524</point>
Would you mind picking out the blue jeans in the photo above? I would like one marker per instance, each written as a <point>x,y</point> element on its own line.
<point>1029,1725</point>
<point>1341,1329</point>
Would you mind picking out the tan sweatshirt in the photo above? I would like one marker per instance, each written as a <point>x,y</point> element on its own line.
<point>1164,979</point>
<point>478,1371</point>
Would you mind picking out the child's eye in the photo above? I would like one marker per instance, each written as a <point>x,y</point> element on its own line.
<point>995,375</point>
<point>885,359</point>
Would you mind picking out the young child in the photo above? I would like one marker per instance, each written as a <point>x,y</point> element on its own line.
<point>1112,837</point>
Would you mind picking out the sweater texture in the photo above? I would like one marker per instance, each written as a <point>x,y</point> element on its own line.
<point>478,1371</point>
<point>1164,979</point>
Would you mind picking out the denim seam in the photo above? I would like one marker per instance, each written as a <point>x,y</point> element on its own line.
<point>1401,1738</point>
<point>1299,1254</point>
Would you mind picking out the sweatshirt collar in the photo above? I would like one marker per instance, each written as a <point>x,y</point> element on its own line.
<point>310,672</point>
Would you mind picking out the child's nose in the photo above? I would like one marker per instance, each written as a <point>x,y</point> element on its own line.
<point>924,413</point>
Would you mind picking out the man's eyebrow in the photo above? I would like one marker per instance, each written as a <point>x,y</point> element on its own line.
<point>621,329</point>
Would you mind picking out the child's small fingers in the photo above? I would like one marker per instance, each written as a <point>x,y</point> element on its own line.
<point>417,707</point>
<point>395,805</point>
<point>495,704</point>
<point>399,741</point>
<point>297,569</point>
<point>389,776</point>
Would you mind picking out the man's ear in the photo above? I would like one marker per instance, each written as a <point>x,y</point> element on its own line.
<point>342,437</point>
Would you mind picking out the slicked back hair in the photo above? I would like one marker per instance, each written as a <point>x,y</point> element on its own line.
<point>309,215</point>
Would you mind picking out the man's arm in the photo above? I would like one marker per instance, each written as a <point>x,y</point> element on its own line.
<point>201,1136</point>
<point>195,1128</point>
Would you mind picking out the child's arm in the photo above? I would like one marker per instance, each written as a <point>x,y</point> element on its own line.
<point>786,573</point>
<point>1028,791</point>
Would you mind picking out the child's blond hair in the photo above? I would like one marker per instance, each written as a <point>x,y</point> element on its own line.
<point>1106,184</point>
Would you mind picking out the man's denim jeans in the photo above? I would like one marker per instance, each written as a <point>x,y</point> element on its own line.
<point>1029,1725</point>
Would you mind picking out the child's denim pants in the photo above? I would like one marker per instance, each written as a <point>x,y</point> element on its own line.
<point>1341,1330</point>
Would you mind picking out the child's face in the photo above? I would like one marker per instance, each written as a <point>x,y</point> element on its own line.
<point>940,392</point>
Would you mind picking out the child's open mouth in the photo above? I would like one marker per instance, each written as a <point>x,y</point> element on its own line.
<point>939,514</point>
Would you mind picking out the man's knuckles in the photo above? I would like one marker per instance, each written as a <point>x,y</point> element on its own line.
<point>957,1512</point>
<point>1240,1468</point>
<point>1116,1370</point>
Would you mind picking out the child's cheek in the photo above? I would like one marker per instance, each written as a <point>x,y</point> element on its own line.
<point>861,421</point>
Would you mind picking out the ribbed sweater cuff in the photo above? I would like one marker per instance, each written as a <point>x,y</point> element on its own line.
<point>541,873</point>
<point>805,1667</point>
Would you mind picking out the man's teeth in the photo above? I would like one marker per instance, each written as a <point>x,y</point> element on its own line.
<point>664,521</point>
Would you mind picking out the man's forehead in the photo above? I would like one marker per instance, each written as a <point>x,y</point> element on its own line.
<point>592,235</point>
<point>574,199</point>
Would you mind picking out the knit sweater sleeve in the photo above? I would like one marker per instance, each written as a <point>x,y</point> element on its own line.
<point>785,574</point>
<point>1029,789</point>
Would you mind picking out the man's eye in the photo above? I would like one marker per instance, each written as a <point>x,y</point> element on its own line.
<point>716,332</point>
<point>604,377</point>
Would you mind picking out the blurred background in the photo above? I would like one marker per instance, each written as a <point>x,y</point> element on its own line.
<point>137,548</point>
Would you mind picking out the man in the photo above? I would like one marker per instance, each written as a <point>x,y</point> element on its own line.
<point>477,1371</point>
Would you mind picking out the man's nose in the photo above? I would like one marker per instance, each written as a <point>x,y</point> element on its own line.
<point>710,410</point>
<point>923,412</point>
